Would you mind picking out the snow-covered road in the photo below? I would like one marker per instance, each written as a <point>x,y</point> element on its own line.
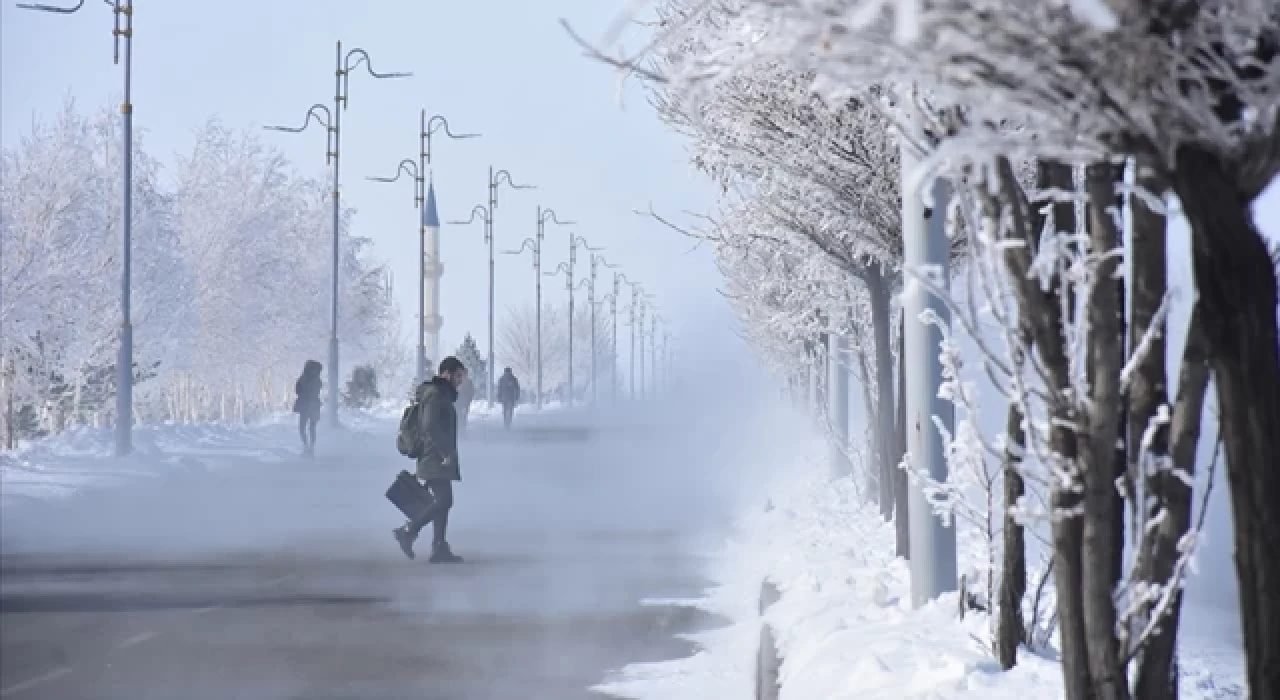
<point>249,573</point>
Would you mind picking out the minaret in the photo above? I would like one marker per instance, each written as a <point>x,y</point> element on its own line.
<point>431,272</point>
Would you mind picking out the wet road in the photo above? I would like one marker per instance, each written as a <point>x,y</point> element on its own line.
<point>282,580</point>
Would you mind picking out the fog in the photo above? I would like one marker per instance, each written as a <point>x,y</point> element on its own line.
<point>263,571</point>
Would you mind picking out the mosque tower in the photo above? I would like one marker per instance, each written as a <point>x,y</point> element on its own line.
<point>432,269</point>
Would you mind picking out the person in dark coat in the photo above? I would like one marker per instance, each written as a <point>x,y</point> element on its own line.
<point>508,395</point>
<point>307,404</point>
<point>438,466</point>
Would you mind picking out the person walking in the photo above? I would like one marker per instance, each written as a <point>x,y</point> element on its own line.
<point>438,466</point>
<point>466,394</point>
<point>508,395</point>
<point>307,405</point>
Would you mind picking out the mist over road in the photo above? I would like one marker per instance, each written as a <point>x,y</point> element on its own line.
<point>283,581</point>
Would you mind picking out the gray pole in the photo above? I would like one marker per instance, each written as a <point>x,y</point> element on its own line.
<point>537,298</point>
<point>591,301</point>
<point>569,286</point>
<point>838,398</point>
<point>124,366</point>
<point>631,356</point>
<point>124,354</point>
<point>933,545</point>
<point>493,203</point>
<point>613,309</point>
<point>333,312</point>
<point>641,321</point>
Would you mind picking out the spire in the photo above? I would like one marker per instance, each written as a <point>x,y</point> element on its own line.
<point>433,218</point>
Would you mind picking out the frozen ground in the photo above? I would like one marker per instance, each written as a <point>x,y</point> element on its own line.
<point>844,625</point>
<point>218,564</point>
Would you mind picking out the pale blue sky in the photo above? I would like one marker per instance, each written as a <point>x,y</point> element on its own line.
<point>504,68</point>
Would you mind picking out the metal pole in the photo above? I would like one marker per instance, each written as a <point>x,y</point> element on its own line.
<point>591,301</point>
<point>493,203</point>
<point>537,296</point>
<point>613,309</point>
<point>422,293</point>
<point>124,365</point>
<point>933,544</point>
<point>333,309</point>
<point>838,397</point>
<point>641,349</point>
<point>573,254</point>
<point>631,356</point>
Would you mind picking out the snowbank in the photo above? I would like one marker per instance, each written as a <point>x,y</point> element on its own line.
<point>63,464</point>
<point>843,624</point>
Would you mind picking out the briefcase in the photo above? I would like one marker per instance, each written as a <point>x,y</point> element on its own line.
<point>409,495</point>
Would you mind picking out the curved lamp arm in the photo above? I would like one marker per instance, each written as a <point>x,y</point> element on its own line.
<point>562,267</point>
<point>480,211</point>
<point>407,167</point>
<point>326,121</point>
<point>362,57</point>
<point>526,244</point>
<point>53,8</point>
<point>549,215</point>
<point>438,122</point>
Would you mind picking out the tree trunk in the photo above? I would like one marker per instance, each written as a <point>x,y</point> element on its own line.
<point>1147,435</point>
<point>872,470</point>
<point>1010,627</point>
<point>901,529</point>
<point>878,289</point>
<point>1157,673</point>
<point>1236,281</point>
<point>1041,309</point>
<point>1102,518</point>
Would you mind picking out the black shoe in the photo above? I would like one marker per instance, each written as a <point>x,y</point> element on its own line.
<point>441,554</point>
<point>405,539</point>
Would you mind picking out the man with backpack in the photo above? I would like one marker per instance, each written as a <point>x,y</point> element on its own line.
<point>508,395</point>
<point>429,434</point>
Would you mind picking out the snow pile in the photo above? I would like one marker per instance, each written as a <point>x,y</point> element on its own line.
<point>61,465</point>
<point>844,625</point>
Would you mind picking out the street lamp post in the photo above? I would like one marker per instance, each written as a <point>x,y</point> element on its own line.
<point>495,179</point>
<point>418,171</point>
<point>123,29</point>
<point>596,261</point>
<point>574,240</point>
<point>567,268</point>
<point>535,245</point>
<point>544,216</point>
<point>332,122</point>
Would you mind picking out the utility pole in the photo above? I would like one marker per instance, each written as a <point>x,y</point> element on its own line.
<point>332,122</point>
<point>123,13</point>
<point>925,245</point>
<point>427,220</point>
<point>495,179</point>
<point>568,285</point>
<point>838,401</point>
<point>631,356</point>
<point>574,240</point>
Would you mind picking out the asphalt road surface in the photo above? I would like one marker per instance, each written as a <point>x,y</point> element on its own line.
<point>282,581</point>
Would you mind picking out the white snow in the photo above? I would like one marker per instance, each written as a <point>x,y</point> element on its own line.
<point>844,624</point>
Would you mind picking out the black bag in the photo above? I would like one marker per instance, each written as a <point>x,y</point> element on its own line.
<point>409,495</point>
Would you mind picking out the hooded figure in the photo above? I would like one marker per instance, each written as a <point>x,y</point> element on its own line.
<point>307,404</point>
<point>508,395</point>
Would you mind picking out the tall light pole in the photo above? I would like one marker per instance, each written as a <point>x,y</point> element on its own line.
<point>618,279</point>
<point>418,171</point>
<point>123,29</point>
<point>535,245</point>
<point>568,284</point>
<point>544,216</point>
<point>653,354</point>
<point>332,122</point>
<point>574,240</point>
<point>495,179</point>
<point>933,543</point>
<point>596,262</point>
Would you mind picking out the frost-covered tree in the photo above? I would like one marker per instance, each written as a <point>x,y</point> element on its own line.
<point>230,276</point>
<point>469,353</point>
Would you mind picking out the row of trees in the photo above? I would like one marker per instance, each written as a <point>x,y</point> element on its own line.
<point>1070,134</point>
<point>517,348</point>
<point>231,250</point>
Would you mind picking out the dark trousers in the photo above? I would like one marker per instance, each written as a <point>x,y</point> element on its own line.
<point>508,411</point>
<point>307,427</point>
<point>438,512</point>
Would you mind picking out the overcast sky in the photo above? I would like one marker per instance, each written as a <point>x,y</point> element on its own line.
<point>504,68</point>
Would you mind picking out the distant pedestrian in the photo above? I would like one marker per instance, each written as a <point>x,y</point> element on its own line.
<point>508,395</point>
<point>307,405</point>
<point>466,394</point>
<point>437,436</point>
